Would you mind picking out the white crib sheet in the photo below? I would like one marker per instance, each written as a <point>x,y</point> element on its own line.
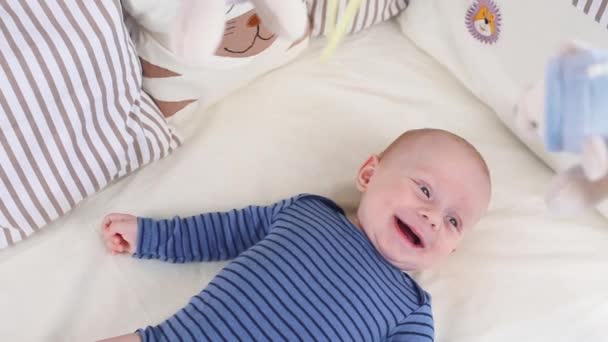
<point>521,276</point>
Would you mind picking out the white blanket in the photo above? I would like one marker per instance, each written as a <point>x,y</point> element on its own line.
<point>520,276</point>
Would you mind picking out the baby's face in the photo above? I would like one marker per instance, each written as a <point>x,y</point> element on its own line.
<point>420,200</point>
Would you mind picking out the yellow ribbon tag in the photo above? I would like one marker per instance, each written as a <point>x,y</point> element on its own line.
<point>337,32</point>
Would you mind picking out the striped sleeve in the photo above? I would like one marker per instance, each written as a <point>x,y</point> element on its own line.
<point>206,237</point>
<point>417,327</point>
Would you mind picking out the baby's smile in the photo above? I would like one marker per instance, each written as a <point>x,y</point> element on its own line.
<point>409,233</point>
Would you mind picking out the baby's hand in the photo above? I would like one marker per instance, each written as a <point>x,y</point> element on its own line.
<point>120,233</point>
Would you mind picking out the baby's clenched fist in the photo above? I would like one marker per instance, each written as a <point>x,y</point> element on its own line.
<point>120,233</point>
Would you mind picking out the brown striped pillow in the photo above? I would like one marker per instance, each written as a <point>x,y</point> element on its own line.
<point>597,9</point>
<point>73,116</point>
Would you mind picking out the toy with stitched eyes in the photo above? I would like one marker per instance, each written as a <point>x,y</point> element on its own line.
<point>288,18</point>
<point>195,18</point>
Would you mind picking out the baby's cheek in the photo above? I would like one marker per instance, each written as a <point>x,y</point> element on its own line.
<point>449,242</point>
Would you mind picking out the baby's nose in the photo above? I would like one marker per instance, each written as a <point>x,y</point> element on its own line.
<point>426,217</point>
<point>432,222</point>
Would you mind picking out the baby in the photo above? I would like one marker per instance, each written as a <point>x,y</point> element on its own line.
<point>303,270</point>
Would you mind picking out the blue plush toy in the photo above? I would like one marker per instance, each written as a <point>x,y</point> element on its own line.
<point>569,111</point>
<point>576,102</point>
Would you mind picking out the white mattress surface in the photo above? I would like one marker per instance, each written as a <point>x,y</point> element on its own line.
<point>522,275</point>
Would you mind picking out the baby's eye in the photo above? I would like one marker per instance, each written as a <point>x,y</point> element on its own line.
<point>425,190</point>
<point>453,221</point>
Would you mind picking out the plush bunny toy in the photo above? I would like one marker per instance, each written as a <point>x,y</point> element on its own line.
<point>197,18</point>
<point>568,109</point>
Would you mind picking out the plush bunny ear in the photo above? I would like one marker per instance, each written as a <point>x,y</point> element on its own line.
<point>572,46</point>
<point>570,192</point>
<point>198,30</point>
<point>287,18</point>
<point>530,111</point>
<point>595,158</point>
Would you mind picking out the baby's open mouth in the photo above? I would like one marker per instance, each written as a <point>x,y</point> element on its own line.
<point>409,233</point>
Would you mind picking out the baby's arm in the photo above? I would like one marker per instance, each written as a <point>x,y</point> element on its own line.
<point>206,237</point>
<point>417,327</point>
<point>124,338</point>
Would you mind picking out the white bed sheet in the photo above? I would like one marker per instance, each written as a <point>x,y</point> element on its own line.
<point>521,276</point>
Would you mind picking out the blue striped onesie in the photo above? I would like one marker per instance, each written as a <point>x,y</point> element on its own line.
<point>301,271</point>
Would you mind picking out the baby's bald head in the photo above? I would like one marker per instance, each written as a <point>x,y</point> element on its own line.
<point>432,141</point>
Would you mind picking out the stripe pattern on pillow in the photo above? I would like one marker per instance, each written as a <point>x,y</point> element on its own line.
<point>73,116</point>
<point>371,12</point>
<point>598,9</point>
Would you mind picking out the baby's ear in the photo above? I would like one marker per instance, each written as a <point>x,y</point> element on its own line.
<point>366,172</point>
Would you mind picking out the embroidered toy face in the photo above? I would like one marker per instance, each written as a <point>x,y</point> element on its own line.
<point>245,34</point>
<point>483,21</point>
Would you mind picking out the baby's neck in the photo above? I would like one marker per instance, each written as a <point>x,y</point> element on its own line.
<point>352,217</point>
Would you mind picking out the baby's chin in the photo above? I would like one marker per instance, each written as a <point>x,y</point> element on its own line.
<point>408,266</point>
<point>411,260</point>
<point>406,263</point>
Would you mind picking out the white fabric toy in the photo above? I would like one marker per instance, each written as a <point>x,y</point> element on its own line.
<point>195,52</point>
<point>195,18</point>
<point>568,109</point>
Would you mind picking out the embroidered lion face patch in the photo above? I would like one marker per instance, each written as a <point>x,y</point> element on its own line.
<point>484,21</point>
